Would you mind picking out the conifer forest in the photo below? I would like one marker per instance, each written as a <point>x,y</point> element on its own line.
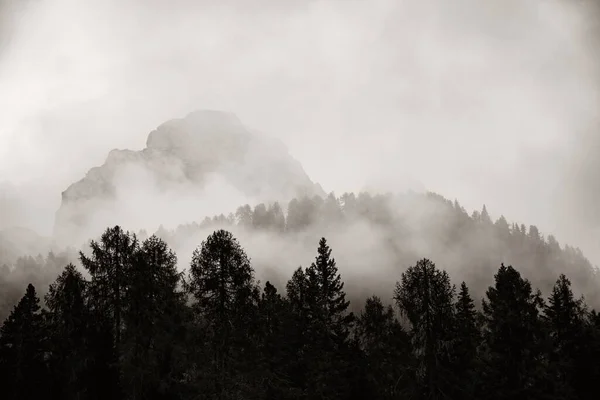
<point>300,200</point>
<point>127,323</point>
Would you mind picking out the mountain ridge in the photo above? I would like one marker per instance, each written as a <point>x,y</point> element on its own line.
<point>187,151</point>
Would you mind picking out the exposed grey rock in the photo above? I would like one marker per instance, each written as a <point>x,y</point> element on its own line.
<point>185,151</point>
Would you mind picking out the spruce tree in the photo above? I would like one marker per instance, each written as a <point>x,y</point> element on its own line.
<point>425,296</point>
<point>222,284</point>
<point>109,267</point>
<point>466,342</point>
<point>485,216</point>
<point>514,337</point>
<point>329,326</point>
<point>68,324</point>
<point>276,349</point>
<point>387,349</point>
<point>23,346</point>
<point>323,324</point>
<point>329,303</point>
<point>565,317</point>
<point>299,333</point>
<point>153,321</point>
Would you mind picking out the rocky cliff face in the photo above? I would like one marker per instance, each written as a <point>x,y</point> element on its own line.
<point>188,151</point>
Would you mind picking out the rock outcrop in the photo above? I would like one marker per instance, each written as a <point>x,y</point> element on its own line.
<point>188,151</point>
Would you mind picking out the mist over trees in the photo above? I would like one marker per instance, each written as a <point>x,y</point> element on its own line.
<point>377,236</point>
<point>374,317</point>
<point>130,325</point>
<point>392,231</point>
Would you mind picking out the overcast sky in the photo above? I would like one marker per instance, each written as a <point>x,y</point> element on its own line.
<point>484,101</point>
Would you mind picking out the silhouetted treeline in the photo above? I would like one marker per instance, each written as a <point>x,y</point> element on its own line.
<point>470,245</point>
<point>139,329</point>
<point>39,271</point>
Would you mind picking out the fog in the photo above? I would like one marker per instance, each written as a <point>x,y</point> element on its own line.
<point>489,102</point>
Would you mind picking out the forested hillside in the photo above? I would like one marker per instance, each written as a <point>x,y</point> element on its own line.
<point>377,236</point>
<point>137,328</point>
<point>405,228</point>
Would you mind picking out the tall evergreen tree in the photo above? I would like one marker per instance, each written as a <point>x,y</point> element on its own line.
<point>319,306</point>
<point>222,283</point>
<point>153,322</point>
<point>329,327</point>
<point>328,303</point>
<point>23,346</point>
<point>387,349</point>
<point>298,335</point>
<point>466,343</point>
<point>68,325</point>
<point>485,216</point>
<point>514,337</point>
<point>565,317</point>
<point>277,351</point>
<point>425,296</point>
<point>109,266</point>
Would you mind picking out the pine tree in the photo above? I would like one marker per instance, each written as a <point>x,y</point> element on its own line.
<point>319,304</point>
<point>223,286</point>
<point>425,296</point>
<point>328,306</point>
<point>514,337</point>
<point>296,292</point>
<point>23,347</point>
<point>485,216</point>
<point>109,266</point>
<point>299,333</point>
<point>153,321</point>
<point>387,349</point>
<point>276,349</point>
<point>68,324</point>
<point>565,318</point>
<point>329,326</point>
<point>466,343</point>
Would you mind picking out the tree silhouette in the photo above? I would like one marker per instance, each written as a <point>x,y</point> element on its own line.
<point>425,296</point>
<point>22,349</point>
<point>68,322</point>
<point>223,286</point>
<point>514,337</point>
<point>387,350</point>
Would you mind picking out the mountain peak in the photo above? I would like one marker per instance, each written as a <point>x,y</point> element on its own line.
<point>188,150</point>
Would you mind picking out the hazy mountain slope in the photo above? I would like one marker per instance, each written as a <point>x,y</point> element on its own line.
<point>376,237</point>
<point>19,242</point>
<point>183,156</point>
